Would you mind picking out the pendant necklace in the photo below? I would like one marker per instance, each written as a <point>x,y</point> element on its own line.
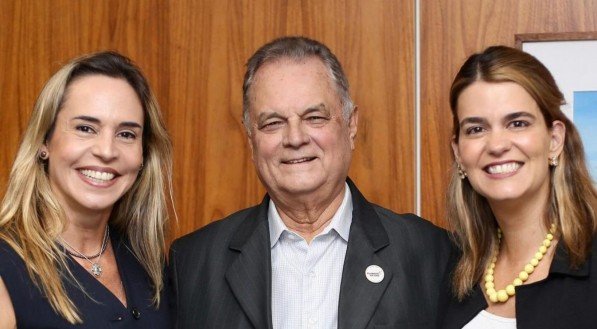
<point>96,268</point>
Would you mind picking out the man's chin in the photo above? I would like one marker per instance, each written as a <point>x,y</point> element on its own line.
<point>308,189</point>
<point>298,187</point>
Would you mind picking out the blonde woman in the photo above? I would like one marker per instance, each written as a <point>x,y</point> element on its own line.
<point>521,202</point>
<point>82,221</point>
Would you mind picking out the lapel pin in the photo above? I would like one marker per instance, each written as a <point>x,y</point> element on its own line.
<point>374,273</point>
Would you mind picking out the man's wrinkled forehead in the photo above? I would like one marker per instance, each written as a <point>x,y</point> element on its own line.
<point>288,60</point>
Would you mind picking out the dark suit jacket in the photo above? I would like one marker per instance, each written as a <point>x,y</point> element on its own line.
<point>567,298</point>
<point>221,274</point>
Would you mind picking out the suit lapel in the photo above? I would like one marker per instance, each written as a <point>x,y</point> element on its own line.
<point>359,296</point>
<point>249,276</point>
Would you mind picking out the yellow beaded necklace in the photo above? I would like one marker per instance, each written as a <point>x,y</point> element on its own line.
<point>502,295</point>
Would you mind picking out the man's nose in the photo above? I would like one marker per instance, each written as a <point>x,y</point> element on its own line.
<point>295,134</point>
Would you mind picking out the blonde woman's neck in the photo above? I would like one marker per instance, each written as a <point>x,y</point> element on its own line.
<point>85,233</point>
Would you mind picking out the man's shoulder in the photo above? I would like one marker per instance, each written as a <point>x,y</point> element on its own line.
<point>410,229</point>
<point>393,220</point>
<point>411,237</point>
<point>219,230</point>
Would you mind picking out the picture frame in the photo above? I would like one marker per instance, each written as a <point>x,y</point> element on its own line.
<point>571,57</point>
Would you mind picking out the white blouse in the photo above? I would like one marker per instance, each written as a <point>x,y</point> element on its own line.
<point>486,320</point>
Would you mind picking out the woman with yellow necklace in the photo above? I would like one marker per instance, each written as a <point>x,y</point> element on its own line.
<point>521,202</point>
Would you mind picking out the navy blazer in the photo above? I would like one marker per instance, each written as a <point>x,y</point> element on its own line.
<point>221,274</point>
<point>567,298</point>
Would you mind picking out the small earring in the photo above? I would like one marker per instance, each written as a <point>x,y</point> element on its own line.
<point>141,166</point>
<point>461,172</point>
<point>43,155</point>
<point>553,161</point>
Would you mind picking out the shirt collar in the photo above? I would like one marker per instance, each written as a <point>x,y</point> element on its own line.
<point>339,223</point>
<point>561,262</point>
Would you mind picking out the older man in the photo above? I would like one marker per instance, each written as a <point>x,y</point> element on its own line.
<point>314,253</point>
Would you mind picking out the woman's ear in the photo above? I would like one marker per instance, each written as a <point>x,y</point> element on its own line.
<point>455,149</point>
<point>558,138</point>
<point>43,153</point>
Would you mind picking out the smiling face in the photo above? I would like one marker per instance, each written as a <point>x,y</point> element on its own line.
<point>504,143</point>
<point>95,150</point>
<point>301,144</point>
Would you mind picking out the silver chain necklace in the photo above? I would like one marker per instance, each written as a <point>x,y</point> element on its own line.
<point>96,268</point>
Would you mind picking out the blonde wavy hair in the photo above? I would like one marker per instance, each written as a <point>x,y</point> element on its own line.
<point>573,197</point>
<point>31,218</point>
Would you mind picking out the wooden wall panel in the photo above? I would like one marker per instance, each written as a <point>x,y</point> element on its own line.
<point>211,41</point>
<point>37,37</point>
<point>451,31</point>
<point>193,52</point>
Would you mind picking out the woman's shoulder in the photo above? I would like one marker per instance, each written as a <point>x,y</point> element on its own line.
<point>9,258</point>
<point>12,268</point>
<point>5,248</point>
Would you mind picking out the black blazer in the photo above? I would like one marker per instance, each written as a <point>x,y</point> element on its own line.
<point>221,274</point>
<point>567,298</point>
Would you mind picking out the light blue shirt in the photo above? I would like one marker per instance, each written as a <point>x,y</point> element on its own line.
<point>306,277</point>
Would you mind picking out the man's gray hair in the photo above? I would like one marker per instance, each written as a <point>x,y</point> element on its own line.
<point>296,48</point>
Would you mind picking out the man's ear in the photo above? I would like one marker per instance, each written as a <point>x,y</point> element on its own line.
<point>558,138</point>
<point>249,135</point>
<point>353,123</point>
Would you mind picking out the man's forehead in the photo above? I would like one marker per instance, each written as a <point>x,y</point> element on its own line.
<point>314,108</point>
<point>289,60</point>
<point>291,71</point>
<point>294,84</point>
<point>284,62</point>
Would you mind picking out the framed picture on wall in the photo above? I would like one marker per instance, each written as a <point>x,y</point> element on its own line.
<point>572,60</point>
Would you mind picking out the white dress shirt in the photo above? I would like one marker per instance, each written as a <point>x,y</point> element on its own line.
<point>306,277</point>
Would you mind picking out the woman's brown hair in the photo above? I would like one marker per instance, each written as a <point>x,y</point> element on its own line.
<point>573,197</point>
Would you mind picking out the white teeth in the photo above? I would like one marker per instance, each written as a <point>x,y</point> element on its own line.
<point>504,168</point>
<point>298,160</point>
<point>97,175</point>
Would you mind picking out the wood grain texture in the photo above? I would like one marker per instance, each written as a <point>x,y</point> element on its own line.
<point>551,36</point>
<point>193,52</point>
<point>451,31</point>
<point>212,40</point>
<point>37,37</point>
